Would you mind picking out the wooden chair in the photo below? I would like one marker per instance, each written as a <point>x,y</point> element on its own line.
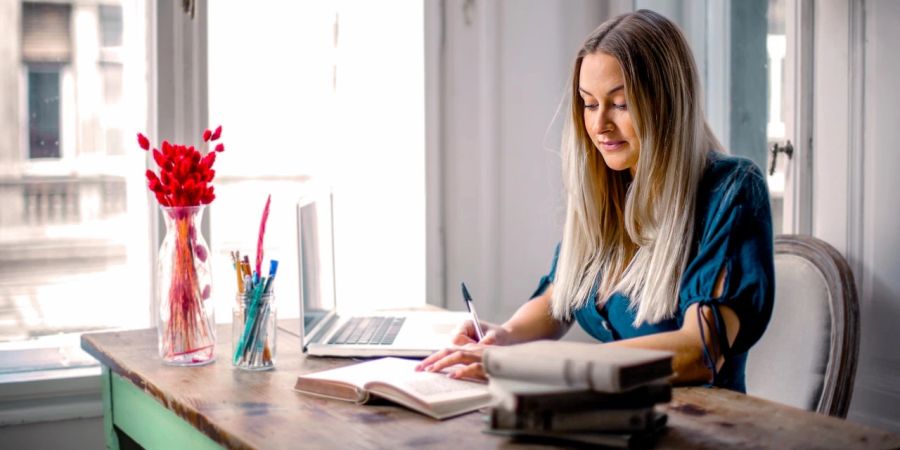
<point>807,356</point>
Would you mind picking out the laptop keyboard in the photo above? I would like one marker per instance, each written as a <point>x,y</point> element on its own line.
<point>368,331</point>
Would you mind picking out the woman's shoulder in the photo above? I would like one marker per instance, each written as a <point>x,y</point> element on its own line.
<point>722,166</point>
<point>730,181</point>
<point>732,173</point>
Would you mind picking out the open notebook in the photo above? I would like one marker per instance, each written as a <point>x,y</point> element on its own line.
<point>326,333</point>
<point>395,379</point>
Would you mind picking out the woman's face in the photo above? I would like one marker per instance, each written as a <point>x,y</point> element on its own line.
<point>606,117</point>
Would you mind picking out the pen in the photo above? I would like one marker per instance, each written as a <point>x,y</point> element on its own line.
<point>471,307</point>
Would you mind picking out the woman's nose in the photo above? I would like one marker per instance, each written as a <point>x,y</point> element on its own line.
<point>600,122</point>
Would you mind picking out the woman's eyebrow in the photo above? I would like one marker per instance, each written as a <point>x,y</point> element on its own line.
<point>583,91</point>
<point>621,86</point>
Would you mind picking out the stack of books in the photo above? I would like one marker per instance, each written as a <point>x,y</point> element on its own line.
<point>578,393</point>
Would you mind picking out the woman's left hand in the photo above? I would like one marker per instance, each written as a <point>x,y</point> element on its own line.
<point>468,355</point>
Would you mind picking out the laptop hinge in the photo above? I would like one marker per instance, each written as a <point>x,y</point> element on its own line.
<point>323,329</point>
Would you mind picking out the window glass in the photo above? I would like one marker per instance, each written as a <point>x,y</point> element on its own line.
<point>323,91</point>
<point>74,236</point>
<point>43,112</point>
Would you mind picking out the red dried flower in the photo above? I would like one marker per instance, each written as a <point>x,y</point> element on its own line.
<point>184,173</point>
<point>167,149</point>
<point>143,141</point>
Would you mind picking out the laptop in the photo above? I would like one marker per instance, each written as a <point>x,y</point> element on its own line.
<point>323,332</point>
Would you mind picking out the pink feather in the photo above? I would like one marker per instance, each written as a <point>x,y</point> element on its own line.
<point>262,232</point>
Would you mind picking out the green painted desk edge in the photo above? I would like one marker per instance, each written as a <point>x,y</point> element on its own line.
<point>116,379</point>
<point>141,417</point>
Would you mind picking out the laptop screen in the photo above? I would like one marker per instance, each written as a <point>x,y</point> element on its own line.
<point>316,259</point>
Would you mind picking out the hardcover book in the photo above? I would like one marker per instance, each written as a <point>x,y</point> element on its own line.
<point>596,420</point>
<point>578,364</point>
<point>580,439</point>
<point>520,396</point>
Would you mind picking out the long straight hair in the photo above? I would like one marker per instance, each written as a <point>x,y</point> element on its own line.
<point>634,235</point>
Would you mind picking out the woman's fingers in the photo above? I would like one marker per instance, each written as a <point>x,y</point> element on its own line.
<point>453,358</point>
<point>490,338</point>
<point>461,339</point>
<point>427,362</point>
<point>467,354</point>
<point>474,371</point>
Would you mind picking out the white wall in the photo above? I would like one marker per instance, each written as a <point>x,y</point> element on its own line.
<point>855,166</point>
<point>876,397</point>
<point>506,66</point>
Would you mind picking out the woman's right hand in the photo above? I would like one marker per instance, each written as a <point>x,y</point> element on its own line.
<point>493,334</point>
<point>466,351</point>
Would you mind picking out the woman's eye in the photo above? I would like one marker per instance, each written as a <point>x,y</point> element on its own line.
<point>622,106</point>
<point>590,107</point>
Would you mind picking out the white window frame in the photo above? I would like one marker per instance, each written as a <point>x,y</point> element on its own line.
<point>799,67</point>
<point>177,108</point>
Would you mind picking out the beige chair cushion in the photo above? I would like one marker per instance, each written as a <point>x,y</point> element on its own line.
<point>788,363</point>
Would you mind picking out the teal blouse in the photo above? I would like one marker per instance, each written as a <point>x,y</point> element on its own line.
<point>733,228</point>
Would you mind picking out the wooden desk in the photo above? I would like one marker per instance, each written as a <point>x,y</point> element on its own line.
<point>212,406</point>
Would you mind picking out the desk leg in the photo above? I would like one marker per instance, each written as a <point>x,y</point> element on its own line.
<point>133,419</point>
<point>112,440</point>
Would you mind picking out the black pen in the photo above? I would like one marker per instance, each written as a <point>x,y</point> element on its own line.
<point>471,307</point>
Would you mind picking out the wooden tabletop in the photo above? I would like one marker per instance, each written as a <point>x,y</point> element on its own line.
<point>240,409</point>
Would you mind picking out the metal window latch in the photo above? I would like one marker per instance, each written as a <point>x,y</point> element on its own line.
<point>787,149</point>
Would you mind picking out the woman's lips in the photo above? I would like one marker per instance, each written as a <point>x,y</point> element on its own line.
<point>611,146</point>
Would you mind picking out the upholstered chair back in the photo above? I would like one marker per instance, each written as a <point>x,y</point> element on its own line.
<point>807,356</point>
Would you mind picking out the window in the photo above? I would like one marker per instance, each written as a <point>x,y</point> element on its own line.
<point>74,231</point>
<point>110,25</point>
<point>325,91</point>
<point>74,237</point>
<point>46,50</point>
<point>43,111</point>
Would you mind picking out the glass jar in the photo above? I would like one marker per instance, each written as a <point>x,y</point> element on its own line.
<point>186,328</point>
<point>253,331</point>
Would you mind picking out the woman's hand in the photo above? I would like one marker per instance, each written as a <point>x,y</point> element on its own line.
<point>468,355</point>
<point>466,351</point>
<point>493,334</point>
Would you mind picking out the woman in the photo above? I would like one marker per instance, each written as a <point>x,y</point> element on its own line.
<point>667,242</point>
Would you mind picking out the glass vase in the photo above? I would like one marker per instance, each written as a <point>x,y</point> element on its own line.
<point>186,325</point>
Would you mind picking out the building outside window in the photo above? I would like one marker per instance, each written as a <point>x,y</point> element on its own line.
<point>74,236</point>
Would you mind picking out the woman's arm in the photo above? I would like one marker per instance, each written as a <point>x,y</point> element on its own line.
<point>533,321</point>
<point>687,344</point>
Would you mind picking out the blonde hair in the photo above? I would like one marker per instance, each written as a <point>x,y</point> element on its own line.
<point>635,237</point>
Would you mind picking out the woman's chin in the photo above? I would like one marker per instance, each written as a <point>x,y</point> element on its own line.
<point>616,164</point>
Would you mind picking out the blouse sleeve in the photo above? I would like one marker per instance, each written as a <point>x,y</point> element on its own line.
<point>736,234</point>
<point>547,280</point>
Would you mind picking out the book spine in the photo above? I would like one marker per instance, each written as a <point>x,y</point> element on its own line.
<point>605,420</point>
<point>572,373</point>
<point>642,397</point>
